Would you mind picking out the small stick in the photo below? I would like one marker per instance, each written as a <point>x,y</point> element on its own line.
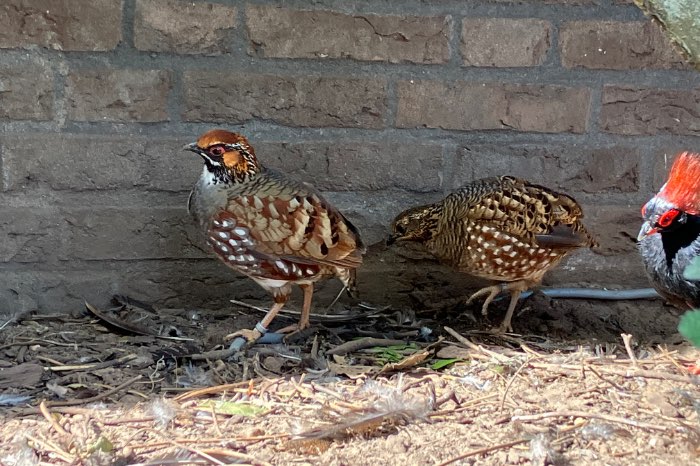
<point>210,390</point>
<point>361,343</point>
<point>56,426</point>
<point>474,346</point>
<point>510,382</point>
<point>481,451</point>
<point>92,399</point>
<point>47,445</point>
<point>627,340</point>
<point>215,421</point>
<point>597,374</point>
<point>585,415</point>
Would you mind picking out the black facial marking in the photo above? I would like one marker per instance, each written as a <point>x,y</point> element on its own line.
<point>680,234</point>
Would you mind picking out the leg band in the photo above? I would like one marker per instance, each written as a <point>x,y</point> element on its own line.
<point>259,327</point>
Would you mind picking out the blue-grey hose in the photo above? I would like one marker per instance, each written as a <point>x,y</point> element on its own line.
<point>595,293</point>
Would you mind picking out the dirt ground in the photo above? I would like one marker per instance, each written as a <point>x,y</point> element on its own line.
<point>365,386</point>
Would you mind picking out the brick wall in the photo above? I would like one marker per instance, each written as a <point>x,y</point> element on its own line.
<point>380,104</point>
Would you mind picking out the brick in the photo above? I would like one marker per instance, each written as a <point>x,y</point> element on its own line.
<point>200,284</point>
<point>29,234</point>
<point>283,33</point>
<point>69,162</point>
<point>131,233</point>
<point>643,111</point>
<point>169,167</point>
<point>26,92</point>
<point>118,95</point>
<point>504,42</point>
<point>356,165</point>
<point>615,227</point>
<point>184,27</point>
<point>567,169</point>
<point>71,25</point>
<point>293,101</point>
<point>616,45</point>
<point>56,290</point>
<point>474,106</point>
<point>663,160</point>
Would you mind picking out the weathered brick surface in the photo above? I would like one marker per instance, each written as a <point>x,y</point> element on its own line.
<point>130,233</point>
<point>118,95</point>
<point>615,227</point>
<point>70,162</point>
<point>504,42</point>
<point>357,165</point>
<point>630,110</point>
<point>29,235</point>
<point>61,24</point>
<point>56,289</point>
<point>26,92</point>
<point>167,166</point>
<point>284,33</point>
<point>663,160</point>
<point>184,27</point>
<point>472,106</point>
<point>616,45</point>
<point>569,169</point>
<point>293,101</point>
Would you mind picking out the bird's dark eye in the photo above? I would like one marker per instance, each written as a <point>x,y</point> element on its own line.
<point>400,229</point>
<point>217,150</point>
<point>668,217</point>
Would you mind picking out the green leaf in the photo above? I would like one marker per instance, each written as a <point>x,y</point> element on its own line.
<point>442,363</point>
<point>231,408</point>
<point>689,327</point>
<point>692,272</point>
<point>101,444</point>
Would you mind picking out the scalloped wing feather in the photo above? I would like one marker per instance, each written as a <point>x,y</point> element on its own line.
<point>297,225</point>
<point>534,213</point>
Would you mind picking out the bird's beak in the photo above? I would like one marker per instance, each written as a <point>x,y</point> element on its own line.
<point>646,230</point>
<point>392,239</point>
<point>192,147</point>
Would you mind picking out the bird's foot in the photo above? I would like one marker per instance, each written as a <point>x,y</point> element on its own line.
<point>502,329</point>
<point>250,335</point>
<point>246,336</point>
<point>492,292</point>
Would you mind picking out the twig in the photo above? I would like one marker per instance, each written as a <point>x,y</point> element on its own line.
<point>627,340</point>
<point>362,343</point>
<point>585,415</point>
<point>50,446</point>
<point>476,347</point>
<point>56,426</point>
<point>92,399</point>
<point>627,373</point>
<point>87,367</point>
<point>210,390</point>
<point>597,374</point>
<point>510,382</point>
<point>481,451</point>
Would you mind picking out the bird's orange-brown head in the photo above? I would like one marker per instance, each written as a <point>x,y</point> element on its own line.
<point>229,156</point>
<point>678,198</point>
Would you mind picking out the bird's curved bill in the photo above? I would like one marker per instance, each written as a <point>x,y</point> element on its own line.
<point>191,147</point>
<point>646,230</point>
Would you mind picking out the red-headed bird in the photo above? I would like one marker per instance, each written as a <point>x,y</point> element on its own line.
<point>670,235</point>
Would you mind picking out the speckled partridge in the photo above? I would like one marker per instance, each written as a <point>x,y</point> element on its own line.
<point>669,239</point>
<point>503,229</point>
<point>275,230</point>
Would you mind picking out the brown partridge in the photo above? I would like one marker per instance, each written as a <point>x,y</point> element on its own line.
<point>503,229</point>
<point>275,230</point>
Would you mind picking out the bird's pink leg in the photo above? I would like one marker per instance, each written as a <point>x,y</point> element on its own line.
<point>261,327</point>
